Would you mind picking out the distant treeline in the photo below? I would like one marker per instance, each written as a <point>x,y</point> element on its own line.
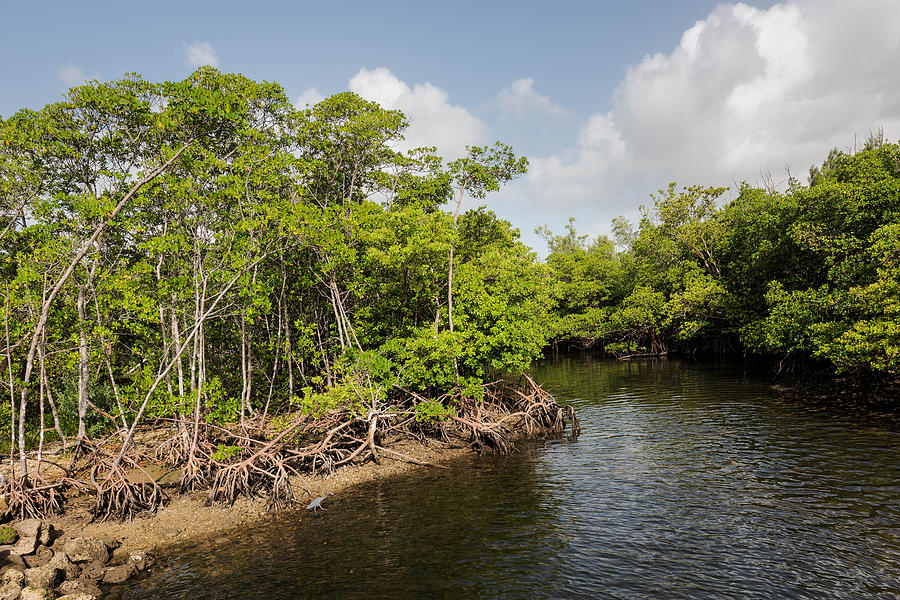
<point>810,275</point>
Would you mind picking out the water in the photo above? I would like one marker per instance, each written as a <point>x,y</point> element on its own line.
<point>688,481</point>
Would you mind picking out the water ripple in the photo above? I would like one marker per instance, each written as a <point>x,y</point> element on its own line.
<point>688,481</point>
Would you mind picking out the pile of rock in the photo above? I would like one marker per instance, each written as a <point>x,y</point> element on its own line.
<point>37,563</point>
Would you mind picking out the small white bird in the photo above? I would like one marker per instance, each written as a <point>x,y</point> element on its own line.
<point>317,503</point>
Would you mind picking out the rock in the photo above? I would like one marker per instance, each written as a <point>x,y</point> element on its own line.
<point>11,560</point>
<point>79,586</point>
<point>8,535</point>
<point>4,504</point>
<point>15,577</point>
<point>69,569</point>
<point>10,591</point>
<point>13,580</point>
<point>78,597</point>
<point>118,574</point>
<point>29,530</point>
<point>110,542</point>
<point>92,570</point>
<point>45,577</point>
<point>41,557</point>
<point>46,535</point>
<point>25,546</point>
<point>118,556</point>
<point>30,593</point>
<point>86,550</point>
<point>141,560</point>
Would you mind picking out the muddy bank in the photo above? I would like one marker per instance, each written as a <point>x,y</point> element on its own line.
<point>47,558</point>
<point>176,482</point>
<point>192,517</point>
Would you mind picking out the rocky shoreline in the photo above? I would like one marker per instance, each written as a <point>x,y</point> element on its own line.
<point>46,564</point>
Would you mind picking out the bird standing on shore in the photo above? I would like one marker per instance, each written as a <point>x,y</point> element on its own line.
<point>317,503</point>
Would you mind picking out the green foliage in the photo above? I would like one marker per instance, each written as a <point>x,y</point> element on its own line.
<point>697,308</point>
<point>484,168</point>
<point>225,453</point>
<point>433,410</point>
<point>425,360</point>
<point>503,304</point>
<point>586,275</point>
<point>350,394</point>
<point>66,398</point>
<point>317,404</point>
<point>811,272</point>
<point>280,423</point>
<point>273,257</point>
<point>221,407</point>
<point>840,301</point>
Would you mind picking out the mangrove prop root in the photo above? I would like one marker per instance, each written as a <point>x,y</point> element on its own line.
<point>259,457</point>
<point>508,411</point>
<point>121,497</point>
<point>195,473</point>
<point>34,497</point>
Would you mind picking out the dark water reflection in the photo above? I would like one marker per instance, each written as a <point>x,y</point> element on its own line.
<point>688,481</point>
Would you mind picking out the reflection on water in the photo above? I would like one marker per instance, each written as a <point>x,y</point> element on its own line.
<point>688,481</point>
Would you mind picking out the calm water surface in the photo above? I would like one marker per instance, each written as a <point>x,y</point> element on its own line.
<point>688,481</point>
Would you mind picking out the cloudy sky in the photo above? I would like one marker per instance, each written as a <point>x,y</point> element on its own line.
<point>609,100</point>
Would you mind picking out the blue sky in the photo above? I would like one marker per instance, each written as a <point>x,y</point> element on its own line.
<point>609,100</point>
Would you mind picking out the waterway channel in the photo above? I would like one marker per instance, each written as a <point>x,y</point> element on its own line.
<point>688,481</point>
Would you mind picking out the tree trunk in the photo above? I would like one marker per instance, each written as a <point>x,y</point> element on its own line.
<point>462,191</point>
<point>48,299</point>
<point>176,339</point>
<point>12,388</point>
<point>84,356</point>
<point>288,352</point>
<point>83,366</point>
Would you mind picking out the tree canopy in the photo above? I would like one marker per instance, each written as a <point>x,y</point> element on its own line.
<point>808,273</point>
<point>203,249</point>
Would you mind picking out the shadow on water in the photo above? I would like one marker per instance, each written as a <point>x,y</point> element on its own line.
<point>463,533</point>
<point>688,481</point>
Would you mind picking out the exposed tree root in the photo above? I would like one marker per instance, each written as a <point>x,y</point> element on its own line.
<point>34,497</point>
<point>195,472</point>
<point>259,457</point>
<point>126,490</point>
<point>117,497</point>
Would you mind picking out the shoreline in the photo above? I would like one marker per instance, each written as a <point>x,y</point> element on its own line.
<point>274,467</point>
<point>191,518</point>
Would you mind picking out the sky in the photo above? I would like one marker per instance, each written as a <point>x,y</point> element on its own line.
<point>610,101</point>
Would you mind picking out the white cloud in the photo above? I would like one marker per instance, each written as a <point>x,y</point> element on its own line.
<point>573,177</point>
<point>746,91</point>
<point>201,54</point>
<point>434,121</point>
<point>72,75</point>
<point>520,99</point>
<point>309,96</point>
